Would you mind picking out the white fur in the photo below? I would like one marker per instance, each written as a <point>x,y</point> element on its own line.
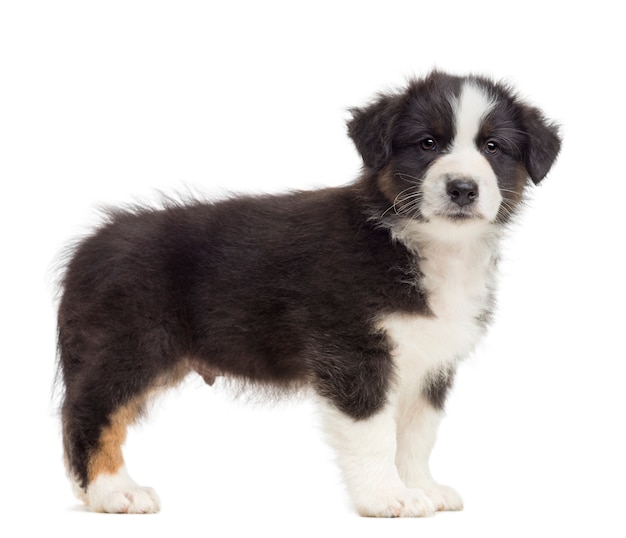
<point>458,277</point>
<point>464,160</point>
<point>119,494</point>
<point>471,108</point>
<point>385,459</point>
<point>417,425</point>
<point>366,451</point>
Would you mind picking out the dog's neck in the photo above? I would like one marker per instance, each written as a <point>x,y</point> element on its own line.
<point>424,237</point>
<point>457,262</point>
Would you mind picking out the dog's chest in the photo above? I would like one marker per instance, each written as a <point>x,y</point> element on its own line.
<point>458,282</point>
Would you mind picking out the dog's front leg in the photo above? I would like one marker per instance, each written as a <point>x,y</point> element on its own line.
<point>366,451</point>
<point>418,422</point>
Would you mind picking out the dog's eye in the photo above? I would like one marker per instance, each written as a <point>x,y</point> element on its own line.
<point>428,144</point>
<point>492,147</point>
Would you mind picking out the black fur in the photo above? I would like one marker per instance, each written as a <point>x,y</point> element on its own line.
<point>284,290</point>
<point>279,289</point>
<point>437,387</point>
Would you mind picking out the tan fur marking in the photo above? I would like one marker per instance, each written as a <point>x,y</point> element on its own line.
<point>386,185</point>
<point>108,457</point>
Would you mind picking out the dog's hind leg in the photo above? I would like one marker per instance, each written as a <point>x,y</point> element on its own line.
<point>94,432</point>
<point>103,398</point>
<point>96,461</point>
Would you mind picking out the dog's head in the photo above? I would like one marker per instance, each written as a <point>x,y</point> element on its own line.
<point>453,148</point>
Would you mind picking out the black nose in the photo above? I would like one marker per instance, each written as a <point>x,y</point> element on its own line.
<point>462,191</point>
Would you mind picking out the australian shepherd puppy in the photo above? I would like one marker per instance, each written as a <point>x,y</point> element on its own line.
<point>368,294</point>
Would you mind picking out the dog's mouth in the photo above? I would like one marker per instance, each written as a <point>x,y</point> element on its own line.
<point>456,213</point>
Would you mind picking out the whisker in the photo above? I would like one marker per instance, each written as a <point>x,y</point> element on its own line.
<point>412,188</point>
<point>508,190</point>
<point>506,210</point>
<point>407,197</point>
<point>392,206</point>
<point>404,177</point>
<point>514,194</point>
<point>399,203</point>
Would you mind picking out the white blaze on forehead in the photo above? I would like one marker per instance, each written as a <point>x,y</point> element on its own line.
<point>471,108</point>
<point>464,159</point>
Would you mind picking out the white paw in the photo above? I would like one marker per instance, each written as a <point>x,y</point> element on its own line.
<point>444,498</point>
<point>119,494</point>
<point>135,500</point>
<point>402,502</point>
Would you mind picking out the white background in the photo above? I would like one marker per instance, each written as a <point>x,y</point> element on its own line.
<point>111,102</point>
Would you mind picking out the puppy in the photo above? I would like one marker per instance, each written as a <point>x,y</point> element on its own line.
<point>369,294</point>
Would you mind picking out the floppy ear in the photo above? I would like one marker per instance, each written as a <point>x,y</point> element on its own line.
<point>544,143</point>
<point>371,130</point>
